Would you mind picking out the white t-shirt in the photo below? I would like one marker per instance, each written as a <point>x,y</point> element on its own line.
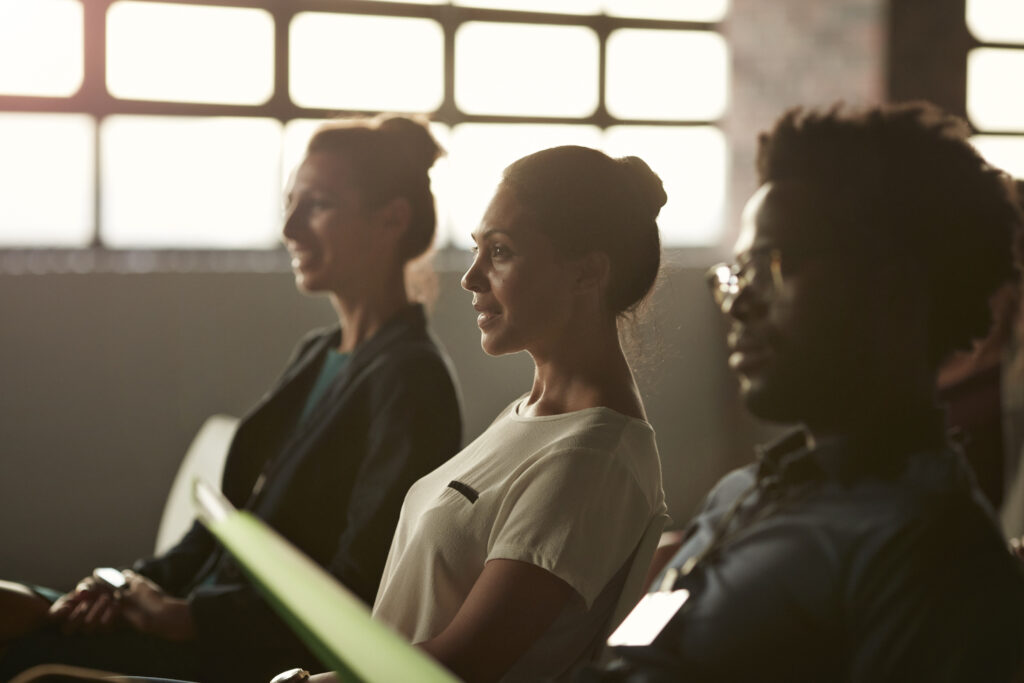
<point>570,493</point>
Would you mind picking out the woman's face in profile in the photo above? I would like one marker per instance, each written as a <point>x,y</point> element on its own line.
<point>327,231</point>
<point>521,291</point>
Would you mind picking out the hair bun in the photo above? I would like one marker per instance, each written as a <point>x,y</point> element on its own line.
<point>647,184</point>
<point>415,138</point>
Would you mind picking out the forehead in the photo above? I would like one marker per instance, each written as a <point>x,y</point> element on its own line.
<point>322,170</point>
<point>508,214</point>
<point>784,214</point>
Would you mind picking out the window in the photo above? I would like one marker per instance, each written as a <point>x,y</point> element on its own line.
<point>189,181</point>
<point>526,69</point>
<point>41,47</point>
<point>995,69</point>
<point>336,62</point>
<point>117,138</point>
<point>46,172</point>
<point>146,59</point>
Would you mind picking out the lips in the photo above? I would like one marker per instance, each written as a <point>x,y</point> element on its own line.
<point>485,316</point>
<point>302,258</point>
<point>749,352</point>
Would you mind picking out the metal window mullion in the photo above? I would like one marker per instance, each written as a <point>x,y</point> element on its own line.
<point>601,116</point>
<point>280,104</point>
<point>95,98</point>
<point>448,113</point>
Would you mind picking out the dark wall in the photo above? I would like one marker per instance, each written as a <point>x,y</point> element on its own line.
<point>107,377</point>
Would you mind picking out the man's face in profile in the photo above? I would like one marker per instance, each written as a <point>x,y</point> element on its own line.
<point>806,329</point>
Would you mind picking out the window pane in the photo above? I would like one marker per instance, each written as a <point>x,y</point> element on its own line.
<point>526,69</point>
<point>638,60</point>
<point>682,10</point>
<point>478,154</point>
<point>229,55</point>
<point>46,173</point>
<point>994,99</point>
<point>1005,152</point>
<point>691,162</point>
<point>996,21</point>
<point>190,182</point>
<point>41,47</point>
<point>338,61</point>
<point>296,136</point>
<point>557,6</point>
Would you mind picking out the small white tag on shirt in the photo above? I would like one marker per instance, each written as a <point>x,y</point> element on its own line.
<point>648,618</point>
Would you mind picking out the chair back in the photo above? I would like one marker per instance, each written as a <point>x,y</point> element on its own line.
<point>205,458</point>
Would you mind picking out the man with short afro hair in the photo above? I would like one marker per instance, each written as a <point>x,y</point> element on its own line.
<point>858,547</point>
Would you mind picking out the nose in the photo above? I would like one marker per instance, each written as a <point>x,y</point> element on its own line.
<point>474,279</point>
<point>292,223</point>
<point>742,304</point>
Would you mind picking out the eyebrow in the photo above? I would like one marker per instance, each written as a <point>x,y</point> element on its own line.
<point>487,233</point>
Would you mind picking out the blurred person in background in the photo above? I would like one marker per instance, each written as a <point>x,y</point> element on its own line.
<point>363,410</point>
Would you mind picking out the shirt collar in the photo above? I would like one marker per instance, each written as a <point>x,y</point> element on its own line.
<point>797,456</point>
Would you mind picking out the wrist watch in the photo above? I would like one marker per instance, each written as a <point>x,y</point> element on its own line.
<point>291,676</point>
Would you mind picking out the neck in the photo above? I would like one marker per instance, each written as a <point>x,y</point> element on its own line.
<point>876,418</point>
<point>584,368</point>
<point>361,317</point>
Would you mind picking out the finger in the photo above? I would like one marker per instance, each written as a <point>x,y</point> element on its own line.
<point>86,584</point>
<point>73,622</point>
<point>63,606</point>
<point>107,619</point>
<point>91,620</point>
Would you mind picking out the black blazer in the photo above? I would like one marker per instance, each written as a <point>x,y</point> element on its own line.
<point>333,485</point>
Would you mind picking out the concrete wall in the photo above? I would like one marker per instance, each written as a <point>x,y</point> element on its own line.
<point>105,377</point>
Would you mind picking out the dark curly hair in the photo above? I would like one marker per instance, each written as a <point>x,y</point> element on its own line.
<point>910,180</point>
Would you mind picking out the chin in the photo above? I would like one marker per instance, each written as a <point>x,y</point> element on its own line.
<point>494,345</point>
<point>311,281</point>
<point>764,403</point>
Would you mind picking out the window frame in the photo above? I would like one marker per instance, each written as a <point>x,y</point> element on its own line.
<point>917,70</point>
<point>93,99</point>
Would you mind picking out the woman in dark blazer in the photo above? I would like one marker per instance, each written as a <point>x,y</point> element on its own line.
<point>363,410</point>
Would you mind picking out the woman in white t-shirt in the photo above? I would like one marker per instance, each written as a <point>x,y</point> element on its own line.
<point>509,560</point>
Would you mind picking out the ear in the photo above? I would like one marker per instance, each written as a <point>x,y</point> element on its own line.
<point>394,216</point>
<point>592,272</point>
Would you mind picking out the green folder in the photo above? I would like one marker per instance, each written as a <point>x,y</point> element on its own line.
<point>332,622</point>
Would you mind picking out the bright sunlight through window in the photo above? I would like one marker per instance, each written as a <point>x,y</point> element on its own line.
<point>200,114</point>
<point>996,21</point>
<point>337,62</point>
<point>41,47</point>
<point>189,53</point>
<point>46,172</point>
<point>1002,151</point>
<point>187,182</point>
<point>994,92</point>
<point>638,60</point>
<point>556,76</point>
